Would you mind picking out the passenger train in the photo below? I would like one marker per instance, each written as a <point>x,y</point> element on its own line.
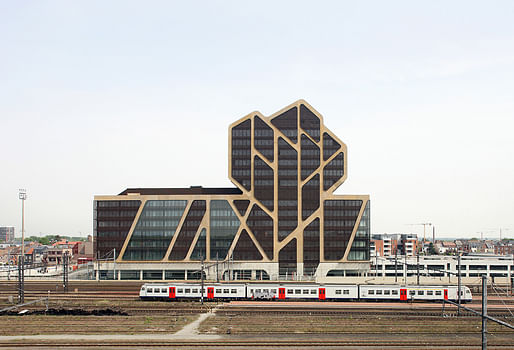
<point>298,291</point>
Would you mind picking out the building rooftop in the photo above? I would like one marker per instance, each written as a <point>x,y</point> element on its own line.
<point>182,191</point>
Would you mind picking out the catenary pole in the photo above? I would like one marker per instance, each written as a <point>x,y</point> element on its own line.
<point>417,267</point>
<point>396,266</point>
<point>484,312</point>
<point>459,283</point>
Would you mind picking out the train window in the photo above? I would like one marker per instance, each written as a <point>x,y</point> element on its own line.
<point>412,292</point>
<point>371,292</point>
<point>305,291</point>
<point>188,290</point>
<point>313,291</point>
<point>143,288</point>
<point>394,292</point>
<point>202,290</point>
<point>430,292</point>
<point>379,292</point>
<point>164,290</point>
<point>421,292</point>
<point>297,291</point>
<point>387,292</point>
<point>289,291</point>
<point>257,291</point>
<point>274,291</point>
<point>437,292</point>
<point>225,290</point>
<point>219,290</point>
<point>346,291</point>
<point>195,290</point>
<point>150,290</point>
<point>179,290</point>
<point>338,291</point>
<point>265,291</point>
<point>233,291</point>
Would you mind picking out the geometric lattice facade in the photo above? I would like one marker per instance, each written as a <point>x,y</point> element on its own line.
<point>283,211</point>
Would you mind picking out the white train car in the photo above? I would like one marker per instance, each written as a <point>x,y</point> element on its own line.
<point>341,291</point>
<point>406,293</point>
<point>181,291</point>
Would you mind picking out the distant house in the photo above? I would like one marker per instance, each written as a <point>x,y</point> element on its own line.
<point>446,247</point>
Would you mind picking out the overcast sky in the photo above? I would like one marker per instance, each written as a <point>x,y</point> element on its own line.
<point>98,96</point>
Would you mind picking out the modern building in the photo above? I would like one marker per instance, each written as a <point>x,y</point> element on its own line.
<point>394,244</point>
<point>282,220</point>
<point>7,234</point>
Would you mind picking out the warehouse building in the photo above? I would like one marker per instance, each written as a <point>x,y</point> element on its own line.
<point>280,221</point>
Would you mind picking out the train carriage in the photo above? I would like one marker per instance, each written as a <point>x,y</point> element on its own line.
<point>300,291</point>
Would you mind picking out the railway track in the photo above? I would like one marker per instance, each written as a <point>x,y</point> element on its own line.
<point>224,344</point>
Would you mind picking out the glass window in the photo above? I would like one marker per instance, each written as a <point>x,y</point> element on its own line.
<point>188,290</point>
<point>346,292</point>
<point>412,292</point>
<point>150,290</point>
<point>305,291</point>
<point>225,291</point>
<point>180,290</point>
<point>233,291</point>
<point>289,291</point>
<point>430,292</point>
<point>195,290</point>
<point>338,291</point>
<point>379,292</point>
<point>421,292</point>
<point>274,291</point>
<point>387,292</point>
<point>371,292</point>
<point>394,292</point>
<point>164,290</point>
<point>297,291</point>
<point>219,291</point>
<point>313,291</point>
<point>437,292</point>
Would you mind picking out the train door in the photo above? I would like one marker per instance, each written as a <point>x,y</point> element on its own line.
<point>210,292</point>
<point>322,294</point>
<point>281,293</point>
<point>446,294</point>
<point>172,292</point>
<point>403,294</point>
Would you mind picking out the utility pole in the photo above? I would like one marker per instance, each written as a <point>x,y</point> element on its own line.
<point>21,281</point>
<point>201,288</point>
<point>114,265</point>
<point>21,261</point>
<point>417,266</point>
<point>396,266</point>
<point>217,271</point>
<point>459,283</point>
<point>405,269</point>
<point>376,264</point>
<point>65,272</point>
<point>484,312</point>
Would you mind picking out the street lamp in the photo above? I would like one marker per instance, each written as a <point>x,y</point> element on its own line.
<point>23,197</point>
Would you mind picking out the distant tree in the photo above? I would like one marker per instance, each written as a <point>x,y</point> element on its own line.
<point>44,240</point>
<point>431,249</point>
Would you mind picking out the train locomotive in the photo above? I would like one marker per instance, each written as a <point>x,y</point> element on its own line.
<point>307,292</point>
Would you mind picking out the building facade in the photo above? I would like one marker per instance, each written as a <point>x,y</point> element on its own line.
<point>394,244</point>
<point>281,221</point>
<point>7,234</point>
